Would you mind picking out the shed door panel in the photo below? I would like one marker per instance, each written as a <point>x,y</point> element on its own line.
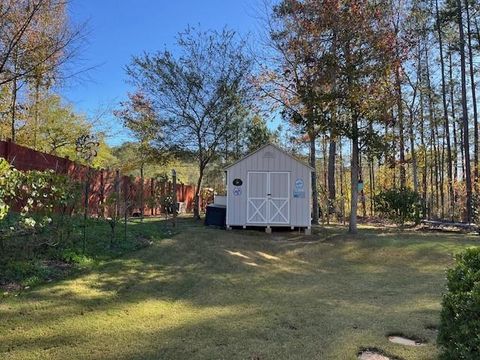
<point>257,207</point>
<point>279,207</point>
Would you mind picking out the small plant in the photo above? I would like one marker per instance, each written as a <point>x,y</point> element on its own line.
<point>167,203</point>
<point>111,207</point>
<point>157,197</point>
<point>399,205</point>
<point>460,323</point>
<point>9,180</point>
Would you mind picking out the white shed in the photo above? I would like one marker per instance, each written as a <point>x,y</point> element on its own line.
<point>270,188</point>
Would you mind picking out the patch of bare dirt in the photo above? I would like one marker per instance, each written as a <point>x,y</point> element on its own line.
<point>372,355</point>
<point>143,241</point>
<point>10,287</point>
<point>432,327</point>
<point>57,265</point>
<point>402,340</point>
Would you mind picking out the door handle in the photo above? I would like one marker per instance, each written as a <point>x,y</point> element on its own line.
<point>269,194</point>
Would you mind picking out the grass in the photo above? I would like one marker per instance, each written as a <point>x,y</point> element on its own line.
<point>210,294</point>
<point>24,262</point>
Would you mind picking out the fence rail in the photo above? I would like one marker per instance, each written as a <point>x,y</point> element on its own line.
<point>102,181</point>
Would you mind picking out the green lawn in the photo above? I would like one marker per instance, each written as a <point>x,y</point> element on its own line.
<point>211,294</point>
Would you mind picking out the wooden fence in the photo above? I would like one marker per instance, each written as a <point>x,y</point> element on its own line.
<point>102,181</point>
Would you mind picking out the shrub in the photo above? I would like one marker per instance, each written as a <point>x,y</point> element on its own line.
<point>40,197</point>
<point>167,202</point>
<point>459,333</point>
<point>399,205</point>
<point>9,178</point>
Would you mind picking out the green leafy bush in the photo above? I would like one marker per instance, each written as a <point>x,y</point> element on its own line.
<point>32,202</point>
<point>399,205</point>
<point>41,227</point>
<point>8,186</point>
<point>459,333</point>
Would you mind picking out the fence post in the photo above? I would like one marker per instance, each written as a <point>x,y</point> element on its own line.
<point>152,197</point>
<point>127,194</point>
<point>8,149</point>
<point>85,210</point>
<point>174,197</point>
<point>117,194</point>
<point>102,193</point>
<point>66,160</point>
<point>164,194</point>
<point>142,193</point>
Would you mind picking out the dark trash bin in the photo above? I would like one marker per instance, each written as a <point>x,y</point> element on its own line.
<point>216,215</point>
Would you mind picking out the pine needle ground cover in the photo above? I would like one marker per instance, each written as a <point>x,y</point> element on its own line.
<point>211,294</point>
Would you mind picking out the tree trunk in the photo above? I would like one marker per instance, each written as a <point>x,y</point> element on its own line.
<point>466,144</point>
<point>312,162</point>
<point>332,150</point>
<point>452,103</point>
<point>474,98</point>
<point>455,151</point>
<point>424,146</point>
<point>445,118</point>
<point>421,128</point>
<point>13,111</point>
<point>126,210</point>
<point>462,150</point>
<point>433,142</point>
<point>142,179</point>
<point>401,137</point>
<point>342,192</point>
<point>441,171</point>
<point>413,153</point>
<point>362,192</point>
<point>392,160</point>
<point>325,178</point>
<point>371,176</point>
<point>458,144</point>
<point>352,229</point>
<point>198,189</point>
<point>36,112</point>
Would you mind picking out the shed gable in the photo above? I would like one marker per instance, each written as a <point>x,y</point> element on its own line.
<point>269,157</point>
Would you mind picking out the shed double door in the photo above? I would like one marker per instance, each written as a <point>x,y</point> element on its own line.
<point>268,200</point>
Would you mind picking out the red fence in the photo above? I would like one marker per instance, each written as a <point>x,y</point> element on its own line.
<point>102,181</point>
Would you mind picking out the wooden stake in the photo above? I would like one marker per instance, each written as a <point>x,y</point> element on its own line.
<point>174,197</point>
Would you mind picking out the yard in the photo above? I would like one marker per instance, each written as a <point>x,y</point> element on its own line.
<point>210,294</point>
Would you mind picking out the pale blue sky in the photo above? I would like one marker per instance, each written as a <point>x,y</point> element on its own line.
<point>120,29</point>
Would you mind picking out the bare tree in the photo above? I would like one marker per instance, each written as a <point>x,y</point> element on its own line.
<point>198,95</point>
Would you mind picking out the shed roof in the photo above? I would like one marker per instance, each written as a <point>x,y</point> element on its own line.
<point>276,147</point>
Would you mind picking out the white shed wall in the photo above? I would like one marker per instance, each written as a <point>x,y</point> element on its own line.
<point>270,159</point>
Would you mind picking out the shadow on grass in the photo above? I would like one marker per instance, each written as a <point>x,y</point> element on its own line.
<point>233,295</point>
